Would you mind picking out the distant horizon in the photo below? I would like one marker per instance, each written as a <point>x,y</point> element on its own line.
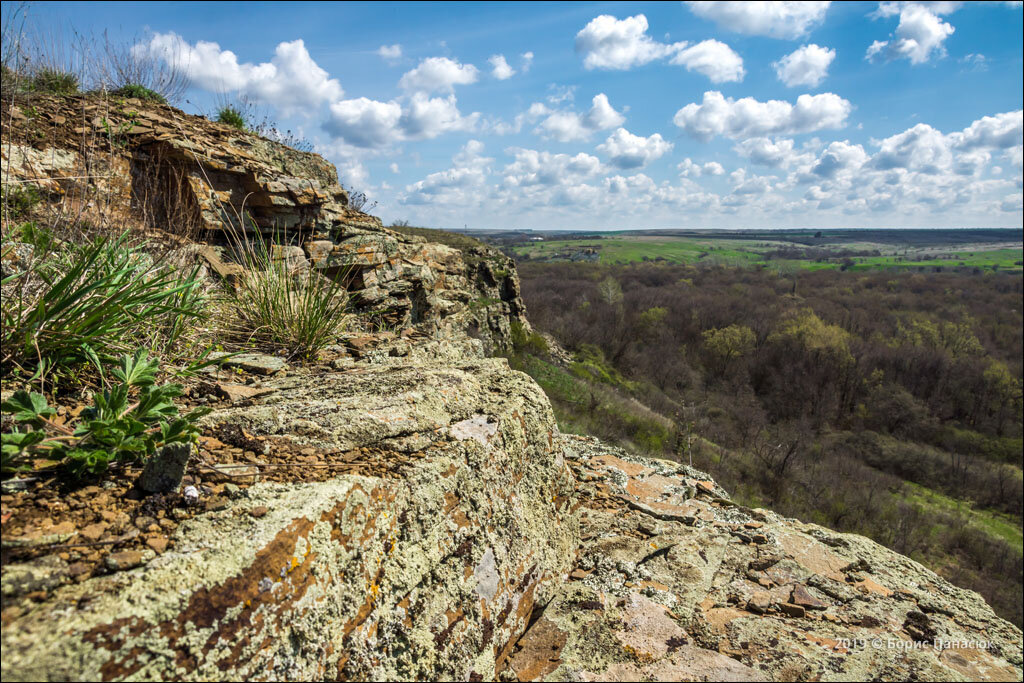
<point>583,230</point>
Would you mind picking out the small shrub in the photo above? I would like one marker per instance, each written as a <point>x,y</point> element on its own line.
<point>11,82</point>
<point>126,423</point>
<point>527,342</point>
<point>232,117</point>
<point>54,82</point>
<point>141,92</point>
<point>359,201</point>
<point>41,239</point>
<point>296,312</point>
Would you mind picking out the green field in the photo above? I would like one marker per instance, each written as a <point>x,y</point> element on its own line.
<point>622,249</point>
<point>989,522</point>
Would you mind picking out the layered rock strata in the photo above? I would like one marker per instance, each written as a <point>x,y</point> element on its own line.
<point>138,161</point>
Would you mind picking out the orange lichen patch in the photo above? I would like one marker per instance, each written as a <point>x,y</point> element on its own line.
<point>404,604</point>
<point>450,501</point>
<point>720,617</point>
<point>651,489</point>
<point>657,585</point>
<point>209,606</point>
<point>628,468</point>
<point>364,611</point>
<point>454,618</point>
<point>869,585</point>
<point>540,651</point>
<point>827,643</point>
<point>706,486</point>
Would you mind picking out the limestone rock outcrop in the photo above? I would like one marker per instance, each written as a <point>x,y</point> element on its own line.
<point>673,581</point>
<point>140,161</point>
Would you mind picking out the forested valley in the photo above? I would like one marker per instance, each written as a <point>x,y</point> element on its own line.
<point>884,403</point>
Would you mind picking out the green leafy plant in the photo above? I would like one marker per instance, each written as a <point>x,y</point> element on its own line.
<point>125,424</point>
<point>90,303</point>
<point>230,116</point>
<point>527,341</point>
<point>118,134</point>
<point>141,92</point>
<point>54,81</point>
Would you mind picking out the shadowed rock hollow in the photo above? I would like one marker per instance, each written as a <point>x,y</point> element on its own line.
<point>477,542</point>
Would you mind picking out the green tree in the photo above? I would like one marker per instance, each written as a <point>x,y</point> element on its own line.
<point>726,344</point>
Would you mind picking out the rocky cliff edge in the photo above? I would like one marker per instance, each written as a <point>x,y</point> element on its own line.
<point>469,540</point>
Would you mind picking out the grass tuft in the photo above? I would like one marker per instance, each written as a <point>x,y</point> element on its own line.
<point>55,82</point>
<point>232,117</point>
<point>297,311</point>
<point>89,303</point>
<point>141,92</point>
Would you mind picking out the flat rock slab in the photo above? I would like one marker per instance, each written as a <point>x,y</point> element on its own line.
<point>238,393</point>
<point>670,585</point>
<point>256,363</point>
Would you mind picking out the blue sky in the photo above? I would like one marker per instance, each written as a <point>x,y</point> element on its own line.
<point>624,115</point>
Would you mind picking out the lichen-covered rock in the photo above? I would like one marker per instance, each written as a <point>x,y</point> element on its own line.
<point>166,168</point>
<point>429,569</point>
<point>165,470</point>
<point>673,581</point>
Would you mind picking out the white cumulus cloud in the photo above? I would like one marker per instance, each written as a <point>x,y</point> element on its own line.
<point>788,20</point>
<point>807,65</point>
<point>372,124</point>
<point>500,68</point>
<point>537,167</point>
<point>462,184</point>
<point>921,148</point>
<point>767,152</point>
<point>438,74</point>
<point>621,44</point>
<point>290,82</point>
<point>426,117</point>
<point>919,35</point>
<point>569,126</point>
<point>1001,131</point>
<point>390,52</point>
<point>690,169</point>
<point>625,150</point>
<point>747,117</point>
<point>611,43</point>
<point>714,59</point>
<point>364,122</point>
<point>839,157</point>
